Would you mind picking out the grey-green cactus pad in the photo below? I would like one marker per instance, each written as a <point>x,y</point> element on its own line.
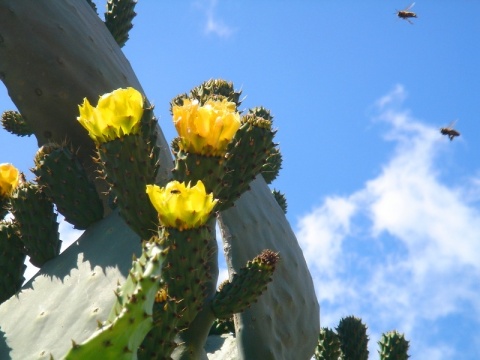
<point>70,293</point>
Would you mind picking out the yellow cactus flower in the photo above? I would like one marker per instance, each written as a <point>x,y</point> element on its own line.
<point>180,206</point>
<point>117,114</point>
<point>206,129</point>
<point>9,179</point>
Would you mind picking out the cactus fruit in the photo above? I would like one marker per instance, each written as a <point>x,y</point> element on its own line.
<point>64,180</point>
<point>131,317</point>
<point>329,347</point>
<point>118,19</point>
<point>393,346</point>
<point>12,260</point>
<point>14,123</point>
<point>37,223</point>
<point>352,333</point>
<point>245,287</point>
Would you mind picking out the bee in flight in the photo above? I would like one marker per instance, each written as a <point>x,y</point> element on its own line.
<point>450,131</point>
<point>406,14</point>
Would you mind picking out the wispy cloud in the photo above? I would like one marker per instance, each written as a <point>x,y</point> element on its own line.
<point>214,24</point>
<point>401,252</point>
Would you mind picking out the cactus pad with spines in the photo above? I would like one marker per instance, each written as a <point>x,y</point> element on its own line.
<point>12,260</point>
<point>393,346</point>
<point>246,155</point>
<point>37,223</point>
<point>216,89</point>
<point>245,287</point>
<point>131,317</point>
<point>281,199</point>
<point>64,180</point>
<point>118,19</point>
<point>193,167</point>
<point>14,123</point>
<point>186,271</point>
<point>329,347</point>
<point>222,326</point>
<point>129,165</point>
<point>352,333</point>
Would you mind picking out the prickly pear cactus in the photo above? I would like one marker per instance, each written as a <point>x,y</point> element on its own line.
<point>73,291</point>
<point>329,346</point>
<point>393,345</point>
<point>352,333</point>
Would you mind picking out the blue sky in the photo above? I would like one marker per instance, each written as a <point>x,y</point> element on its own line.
<point>386,209</point>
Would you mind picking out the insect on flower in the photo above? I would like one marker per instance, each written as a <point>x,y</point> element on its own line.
<point>450,131</point>
<point>406,14</point>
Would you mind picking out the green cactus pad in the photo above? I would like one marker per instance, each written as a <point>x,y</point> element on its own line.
<point>273,165</point>
<point>129,165</point>
<point>246,155</point>
<point>4,206</point>
<point>393,346</point>
<point>222,326</point>
<point>64,180</point>
<point>12,260</point>
<point>92,4</point>
<point>329,347</point>
<point>281,200</point>
<point>352,333</point>
<point>131,317</point>
<point>14,123</point>
<point>37,223</point>
<point>245,287</point>
<point>118,19</point>
<point>191,167</point>
<point>189,278</point>
<point>187,267</point>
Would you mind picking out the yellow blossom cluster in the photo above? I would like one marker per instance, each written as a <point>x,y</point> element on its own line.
<point>206,129</point>
<point>9,179</point>
<point>117,114</point>
<point>181,206</point>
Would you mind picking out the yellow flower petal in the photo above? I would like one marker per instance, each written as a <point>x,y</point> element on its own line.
<point>180,206</point>
<point>207,129</point>
<point>9,179</point>
<point>117,114</point>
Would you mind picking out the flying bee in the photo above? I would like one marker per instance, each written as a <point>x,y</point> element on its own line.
<point>406,14</point>
<point>450,131</point>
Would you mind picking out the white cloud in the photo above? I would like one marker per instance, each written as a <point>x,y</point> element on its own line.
<point>214,25</point>
<point>412,260</point>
